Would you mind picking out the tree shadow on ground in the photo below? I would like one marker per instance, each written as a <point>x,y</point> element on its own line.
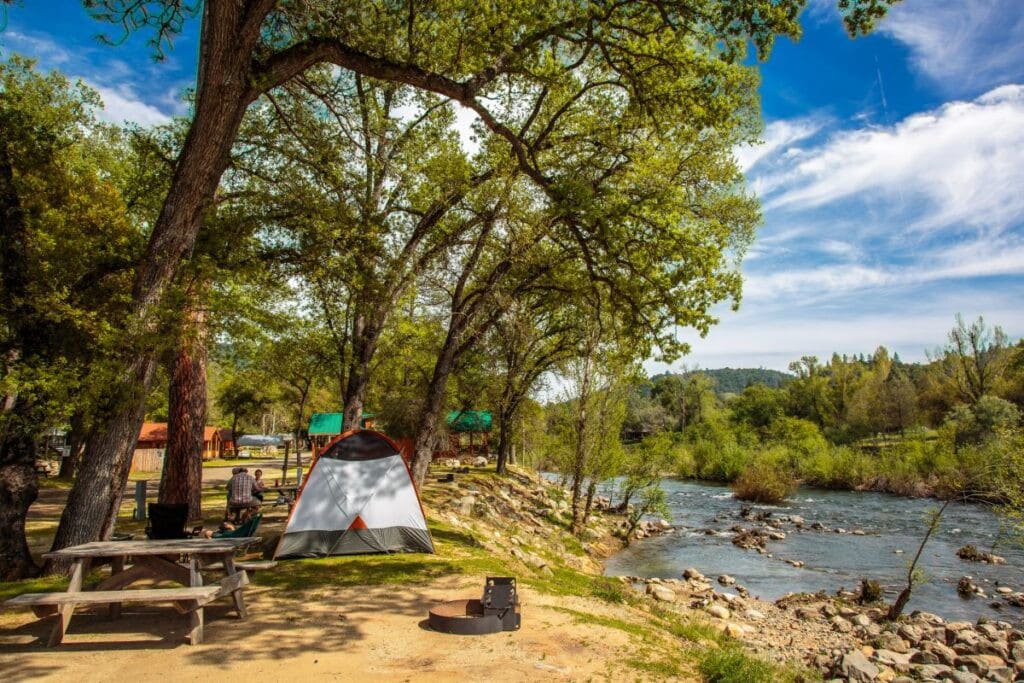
<point>329,620</point>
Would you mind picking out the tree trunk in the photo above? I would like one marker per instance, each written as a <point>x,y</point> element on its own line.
<point>591,490</point>
<point>364,345</point>
<point>426,431</point>
<point>19,484</point>
<point>506,417</point>
<point>222,97</point>
<point>92,506</point>
<point>76,442</point>
<point>580,458</point>
<point>182,479</point>
<point>18,490</point>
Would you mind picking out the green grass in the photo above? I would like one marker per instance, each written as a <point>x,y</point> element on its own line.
<point>456,553</point>
<point>667,666</point>
<point>54,483</point>
<point>45,584</point>
<point>733,665</point>
<point>633,629</point>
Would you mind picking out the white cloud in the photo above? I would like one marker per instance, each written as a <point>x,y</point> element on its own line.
<point>962,45</point>
<point>112,81</point>
<point>118,108</point>
<point>962,164</point>
<point>778,136</point>
<point>775,336</point>
<point>962,261</point>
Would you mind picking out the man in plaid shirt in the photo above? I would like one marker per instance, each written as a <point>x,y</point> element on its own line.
<point>240,488</point>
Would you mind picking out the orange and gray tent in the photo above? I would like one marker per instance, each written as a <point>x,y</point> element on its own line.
<point>357,498</point>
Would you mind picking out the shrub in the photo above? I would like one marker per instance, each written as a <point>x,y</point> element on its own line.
<point>870,592</point>
<point>764,482</point>
<point>732,665</point>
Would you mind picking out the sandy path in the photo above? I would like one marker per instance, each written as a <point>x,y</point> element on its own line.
<point>339,634</point>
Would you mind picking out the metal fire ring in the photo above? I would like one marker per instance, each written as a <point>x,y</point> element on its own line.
<point>497,611</point>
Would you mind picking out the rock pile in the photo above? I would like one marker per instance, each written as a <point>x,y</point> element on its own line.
<point>925,647</point>
<point>972,554</point>
<point>850,642</point>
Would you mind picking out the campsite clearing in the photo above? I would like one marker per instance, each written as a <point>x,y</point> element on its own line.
<point>355,616</point>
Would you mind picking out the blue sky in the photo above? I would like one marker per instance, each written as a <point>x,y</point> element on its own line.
<point>892,171</point>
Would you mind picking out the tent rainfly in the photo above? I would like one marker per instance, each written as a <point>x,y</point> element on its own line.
<point>357,498</point>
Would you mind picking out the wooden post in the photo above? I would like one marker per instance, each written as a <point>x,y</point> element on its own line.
<point>140,500</point>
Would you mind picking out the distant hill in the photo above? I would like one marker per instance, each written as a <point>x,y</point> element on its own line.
<point>735,380</point>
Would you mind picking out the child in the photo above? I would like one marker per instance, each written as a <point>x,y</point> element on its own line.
<point>258,486</point>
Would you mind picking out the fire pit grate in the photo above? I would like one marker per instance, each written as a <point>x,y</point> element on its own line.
<point>498,610</point>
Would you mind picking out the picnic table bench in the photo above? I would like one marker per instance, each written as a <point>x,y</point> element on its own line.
<point>151,560</point>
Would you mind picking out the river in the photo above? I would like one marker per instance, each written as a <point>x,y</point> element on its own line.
<point>893,528</point>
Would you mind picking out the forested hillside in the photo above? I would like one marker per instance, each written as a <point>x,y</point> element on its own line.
<point>735,380</point>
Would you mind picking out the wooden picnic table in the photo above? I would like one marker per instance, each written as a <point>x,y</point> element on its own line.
<point>157,560</point>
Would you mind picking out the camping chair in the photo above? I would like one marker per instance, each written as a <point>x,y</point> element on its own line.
<point>167,521</point>
<point>243,530</point>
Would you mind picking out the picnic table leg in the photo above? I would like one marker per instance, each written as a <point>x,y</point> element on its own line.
<point>230,570</point>
<point>195,622</point>
<point>116,567</point>
<point>64,612</point>
<point>195,616</point>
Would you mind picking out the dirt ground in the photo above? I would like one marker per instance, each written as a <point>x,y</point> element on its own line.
<point>333,632</point>
<point>346,633</point>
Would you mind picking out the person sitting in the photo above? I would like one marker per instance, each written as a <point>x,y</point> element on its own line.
<point>258,486</point>
<point>240,501</point>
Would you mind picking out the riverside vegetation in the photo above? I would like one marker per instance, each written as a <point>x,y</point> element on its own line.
<point>950,427</point>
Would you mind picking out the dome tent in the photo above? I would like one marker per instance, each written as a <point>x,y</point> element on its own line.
<point>358,497</point>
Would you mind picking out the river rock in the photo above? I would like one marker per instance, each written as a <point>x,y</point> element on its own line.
<point>955,627</point>
<point>726,580</point>
<point>910,633</point>
<point>854,666</point>
<point>805,614</point>
<point>979,664</point>
<point>661,593</point>
<point>945,654</point>
<point>985,646</point>
<point>927,657</point>
<point>749,539</point>
<point>891,641</point>
<point>466,505</point>
<point>1002,674</point>
<point>691,573</point>
<point>754,615</point>
<point>738,630</point>
<point>858,532</point>
<point>840,625</point>
<point>861,620</point>
<point>1004,590</point>
<point>1017,651</point>
<point>718,612</point>
<point>927,618</point>
<point>962,677</point>
<point>899,662</point>
<point>932,672</point>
